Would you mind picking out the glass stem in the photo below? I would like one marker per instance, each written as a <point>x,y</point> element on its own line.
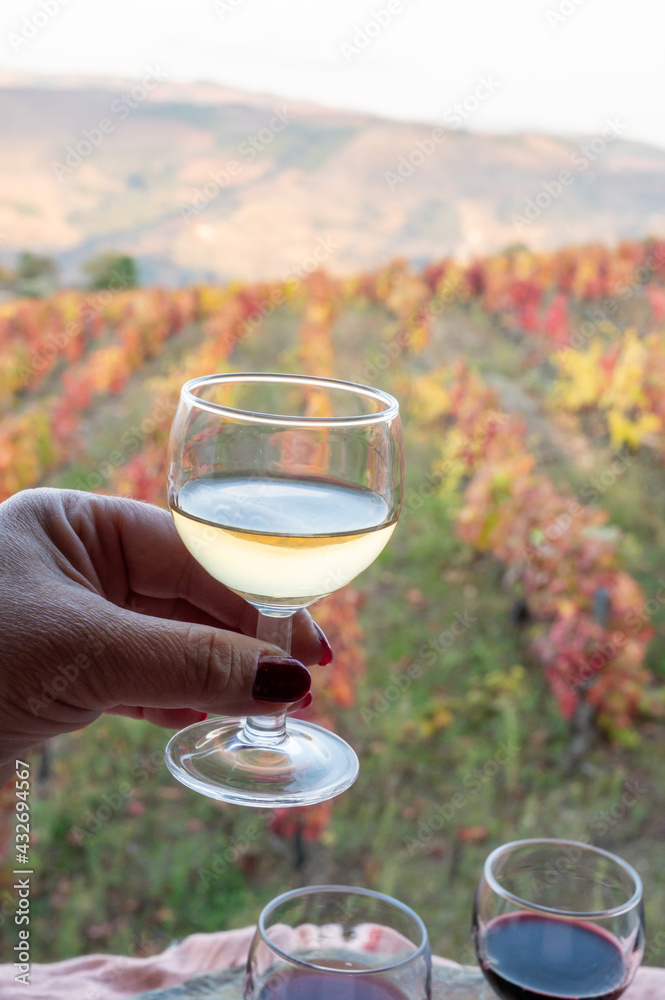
<point>269,730</point>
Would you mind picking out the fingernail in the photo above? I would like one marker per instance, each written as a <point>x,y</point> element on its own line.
<point>202,716</point>
<point>280,678</point>
<point>305,702</point>
<point>328,653</point>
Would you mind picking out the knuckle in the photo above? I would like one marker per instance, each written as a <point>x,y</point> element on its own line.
<point>217,662</point>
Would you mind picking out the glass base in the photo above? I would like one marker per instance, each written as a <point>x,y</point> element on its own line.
<point>308,765</point>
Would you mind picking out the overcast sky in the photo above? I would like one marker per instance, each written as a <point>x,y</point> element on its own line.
<point>561,66</point>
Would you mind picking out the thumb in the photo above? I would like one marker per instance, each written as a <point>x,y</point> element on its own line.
<point>160,663</point>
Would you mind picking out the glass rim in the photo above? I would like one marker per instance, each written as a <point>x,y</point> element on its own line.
<point>310,890</point>
<point>614,911</point>
<point>390,411</point>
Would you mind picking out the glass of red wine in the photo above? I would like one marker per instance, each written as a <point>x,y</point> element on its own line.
<point>557,919</point>
<point>336,942</point>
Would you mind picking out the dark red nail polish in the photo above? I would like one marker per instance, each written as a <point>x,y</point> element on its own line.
<point>328,653</point>
<point>280,678</point>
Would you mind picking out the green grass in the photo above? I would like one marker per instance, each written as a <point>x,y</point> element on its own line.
<point>460,743</point>
<point>130,860</point>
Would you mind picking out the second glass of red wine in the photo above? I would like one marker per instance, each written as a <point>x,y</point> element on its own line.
<point>557,920</point>
<point>336,942</point>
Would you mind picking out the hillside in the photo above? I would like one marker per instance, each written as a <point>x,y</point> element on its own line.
<point>92,165</point>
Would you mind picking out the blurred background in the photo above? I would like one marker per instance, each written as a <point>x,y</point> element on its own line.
<point>464,205</point>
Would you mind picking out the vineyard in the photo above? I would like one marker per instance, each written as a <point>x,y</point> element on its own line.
<point>499,669</point>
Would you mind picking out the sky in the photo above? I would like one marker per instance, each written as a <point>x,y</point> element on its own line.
<point>554,66</point>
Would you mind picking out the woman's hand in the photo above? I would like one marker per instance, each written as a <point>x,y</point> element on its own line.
<point>104,610</point>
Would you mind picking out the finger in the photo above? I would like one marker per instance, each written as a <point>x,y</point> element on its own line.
<point>169,718</point>
<point>134,548</point>
<point>177,609</point>
<point>310,645</point>
<point>298,706</point>
<point>178,718</point>
<point>137,554</point>
<point>158,663</point>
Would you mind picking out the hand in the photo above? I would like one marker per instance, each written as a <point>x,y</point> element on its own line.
<point>104,610</point>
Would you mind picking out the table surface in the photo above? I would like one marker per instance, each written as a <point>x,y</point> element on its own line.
<point>464,983</point>
<point>461,983</point>
<point>211,967</point>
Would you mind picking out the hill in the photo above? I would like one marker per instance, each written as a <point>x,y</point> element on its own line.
<point>200,182</point>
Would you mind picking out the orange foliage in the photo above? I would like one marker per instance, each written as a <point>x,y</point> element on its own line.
<point>84,347</point>
<point>592,637</point>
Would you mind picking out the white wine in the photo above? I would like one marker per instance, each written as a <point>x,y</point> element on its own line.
<point>281,542</point>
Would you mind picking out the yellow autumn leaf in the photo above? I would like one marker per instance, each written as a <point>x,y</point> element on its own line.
<point>624,388</point>
<point>624,430</point>
<point>581,377</point>
<point>431,399</point>
<point>418,338</point>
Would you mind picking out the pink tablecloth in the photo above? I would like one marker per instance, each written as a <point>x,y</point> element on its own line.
<point>113,977</point>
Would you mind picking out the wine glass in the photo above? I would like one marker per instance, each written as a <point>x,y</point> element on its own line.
<point>335,942</point>
<point>555,919</point>
<point>284,487</point>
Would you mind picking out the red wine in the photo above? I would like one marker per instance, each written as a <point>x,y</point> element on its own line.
<point>301,984</point>
<point>532,957</point>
